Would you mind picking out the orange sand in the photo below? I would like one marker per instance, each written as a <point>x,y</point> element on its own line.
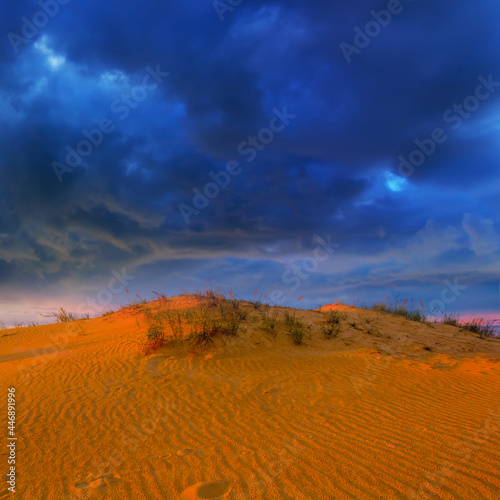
<point>336,307</point>
<point>362,416</point>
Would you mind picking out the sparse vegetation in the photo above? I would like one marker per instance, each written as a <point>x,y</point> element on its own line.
<point>219,313</point>
<point>257,304</point>
<point>372,330</point>
<point>296,328</point>
<point>175,321</point>
<point>451,319</point>
<point>156,329</point>
<point>62,316</point>
<point>475,325</point>
<point>405,308</point>
<point>261,302</point>
<point>298,332</point>
<point>201,338</point>
<point>415,316</point>
<point>330,331</point>
<point>271,322</point>
<point>480,326</point>
<point>331,326</point>
<point>289,319</point>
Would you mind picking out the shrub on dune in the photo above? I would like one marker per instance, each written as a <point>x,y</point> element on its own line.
<point>296,329</point>
<point>62,316</point>
<point>480,326</point>
<point>404,308</point>
<point>475,325</point>
<point>217,314</point>
<point>451,319</point>
<point>270,322</point>
<point>331,326</point>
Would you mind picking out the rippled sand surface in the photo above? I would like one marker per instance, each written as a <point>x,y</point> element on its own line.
<point>368,415</point>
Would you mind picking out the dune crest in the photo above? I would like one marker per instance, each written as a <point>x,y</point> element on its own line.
<point>336,307</point>
<point>389,408</point>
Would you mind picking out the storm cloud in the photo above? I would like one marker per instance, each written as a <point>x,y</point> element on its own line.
<point>116,116</point>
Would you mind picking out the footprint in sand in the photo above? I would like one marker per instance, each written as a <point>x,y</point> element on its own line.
<point>214,490</point>
<point>272,390</point>
<point>183,453</point>
<point>95,487</point>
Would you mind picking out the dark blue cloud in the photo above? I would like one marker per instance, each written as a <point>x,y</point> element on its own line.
<point>98,72</point>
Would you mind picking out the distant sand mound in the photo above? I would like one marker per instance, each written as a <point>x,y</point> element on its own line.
<point>336,307</point>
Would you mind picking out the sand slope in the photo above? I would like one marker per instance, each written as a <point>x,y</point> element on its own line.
<point>363,416</point>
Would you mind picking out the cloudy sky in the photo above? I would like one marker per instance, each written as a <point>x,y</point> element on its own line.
<point>330,150</point>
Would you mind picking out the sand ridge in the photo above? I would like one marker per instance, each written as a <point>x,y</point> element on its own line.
<point>370,414</point>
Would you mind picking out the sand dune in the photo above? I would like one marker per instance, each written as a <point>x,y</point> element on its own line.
<point>363,416</point>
